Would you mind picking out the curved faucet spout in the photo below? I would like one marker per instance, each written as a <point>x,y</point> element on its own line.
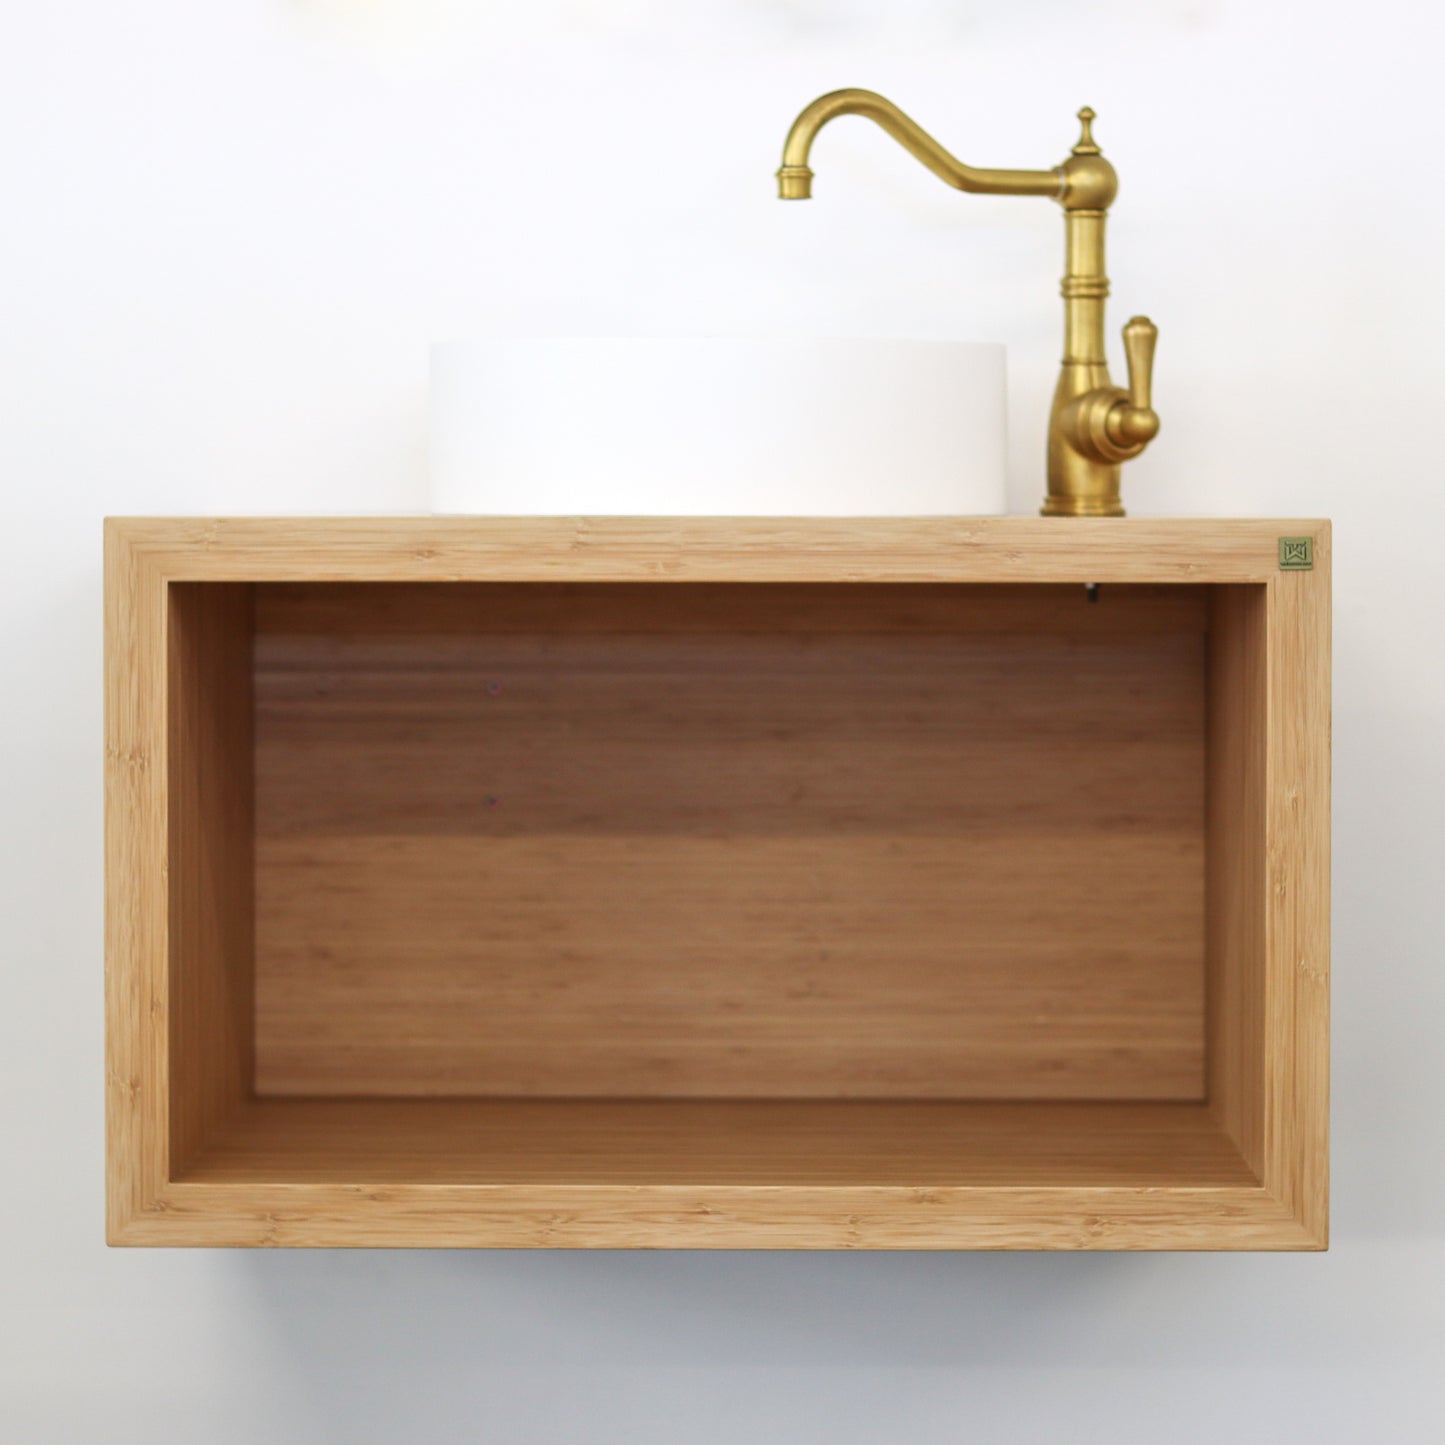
<point>795,178</point>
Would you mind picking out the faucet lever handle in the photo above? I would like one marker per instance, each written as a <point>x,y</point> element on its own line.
<point>1140,336</point>
<point>1135,422</point>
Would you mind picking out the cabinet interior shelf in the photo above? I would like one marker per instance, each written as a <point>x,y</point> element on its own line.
<point>712,883</point>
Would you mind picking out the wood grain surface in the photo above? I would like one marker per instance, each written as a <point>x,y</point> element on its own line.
<point>709,549</point>
<point>1295,1057</point>
<point>960,752</point>
<point>1237,876</point>
<point>757,1143</point>
<point>212,908</point>
<point>734,842</point>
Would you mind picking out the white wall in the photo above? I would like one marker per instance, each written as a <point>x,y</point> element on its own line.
<point>227,231</point>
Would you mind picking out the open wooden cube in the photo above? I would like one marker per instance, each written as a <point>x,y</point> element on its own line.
<point>718,883</point>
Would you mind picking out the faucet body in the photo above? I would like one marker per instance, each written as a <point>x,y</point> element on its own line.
<point>1094,426</point>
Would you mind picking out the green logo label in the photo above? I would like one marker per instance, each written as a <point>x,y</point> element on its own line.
<point>1296,554</point>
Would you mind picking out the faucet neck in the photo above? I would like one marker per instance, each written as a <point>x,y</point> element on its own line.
<point>1085,288</point>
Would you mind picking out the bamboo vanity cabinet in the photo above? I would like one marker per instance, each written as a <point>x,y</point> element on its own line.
<point>718,883</point>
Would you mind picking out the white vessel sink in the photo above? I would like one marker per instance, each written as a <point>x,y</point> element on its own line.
<point>717,427</point>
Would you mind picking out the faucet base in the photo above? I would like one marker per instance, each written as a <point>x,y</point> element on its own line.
<point>1082,507</point>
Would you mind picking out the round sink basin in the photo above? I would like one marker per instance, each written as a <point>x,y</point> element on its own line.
<point>717,427</point>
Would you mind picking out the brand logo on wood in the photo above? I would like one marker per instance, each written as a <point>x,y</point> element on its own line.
<point>1296,554</point>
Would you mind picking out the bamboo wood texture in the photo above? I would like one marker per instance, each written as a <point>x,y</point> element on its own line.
<point>797,844</point>
<point>701,549</point>
<point>667,716</point>
<point>211,907</point>
<point>1236,933</point>
<point>729,1142</point>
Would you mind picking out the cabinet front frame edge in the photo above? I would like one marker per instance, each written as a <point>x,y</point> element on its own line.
<point>144,555</point>
<point>136,925</point>
<point>1297,908</point>
<point>504,1216</point>
<point>622,549</point>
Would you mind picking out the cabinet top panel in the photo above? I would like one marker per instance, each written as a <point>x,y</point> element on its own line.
<point>729,549</point>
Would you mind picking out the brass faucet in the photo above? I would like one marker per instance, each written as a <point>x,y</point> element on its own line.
<point>1094,425</point>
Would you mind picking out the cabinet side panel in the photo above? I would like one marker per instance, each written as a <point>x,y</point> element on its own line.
<point>1235,864</point>
<point>1296,1143</point>
<point>135,884</point>
<point>211,908</point>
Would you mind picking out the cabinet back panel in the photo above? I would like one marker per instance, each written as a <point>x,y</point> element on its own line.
<point>686,840</point>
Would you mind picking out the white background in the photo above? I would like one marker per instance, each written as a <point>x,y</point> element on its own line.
<point>228,231</point>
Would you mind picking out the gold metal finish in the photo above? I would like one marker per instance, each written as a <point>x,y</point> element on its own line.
<point>795,178</point>
<point>1095,426</point>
